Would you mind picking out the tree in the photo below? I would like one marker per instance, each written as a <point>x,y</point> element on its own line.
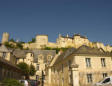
<point>19,45</point>
<point>12,40</point>
<point>25,69</point>
<point>32,41</point>
<point>9,45</point>
<point>32,70</point>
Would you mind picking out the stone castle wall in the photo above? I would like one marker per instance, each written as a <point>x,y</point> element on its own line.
<point>62,41</point>
<point>66,41</point>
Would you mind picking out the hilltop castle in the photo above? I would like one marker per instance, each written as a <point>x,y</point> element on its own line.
<point>65,41</point>
<point>62,41</point>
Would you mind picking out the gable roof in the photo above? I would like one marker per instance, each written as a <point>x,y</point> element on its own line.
<point>64,55</point>
<point>20,53</point>
<point>90,51</point>
<point>44,53</point>
<point>3,48</point>
<point>82,51</point>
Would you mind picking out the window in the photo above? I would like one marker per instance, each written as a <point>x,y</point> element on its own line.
<point>37,66</point>
<point>4,55</point>
<point>31,54</point>
<point>89,78</point>
<point>104,75</point>
<point>88,62</point>
<point>40,58</point>
<point>49,58</point>
<point>103,62</point>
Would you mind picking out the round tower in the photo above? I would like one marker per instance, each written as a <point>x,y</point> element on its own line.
<point>5,37</point>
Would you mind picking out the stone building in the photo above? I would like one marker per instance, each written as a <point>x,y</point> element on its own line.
<point>8,68</point>
<point>39,58</point>
<point>6,54</point>
<point>65,41</point>
<point>75,41</point>
<point>81,66</point>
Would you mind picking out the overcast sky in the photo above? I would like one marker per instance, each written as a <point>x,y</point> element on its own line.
<point>23,19</point>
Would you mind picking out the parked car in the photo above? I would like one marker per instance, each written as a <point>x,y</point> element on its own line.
<point>25,82</point>
<point>106,81</point>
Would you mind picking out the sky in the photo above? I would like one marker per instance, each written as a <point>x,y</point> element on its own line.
<point>24,19</point>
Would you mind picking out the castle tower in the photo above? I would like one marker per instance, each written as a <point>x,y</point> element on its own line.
<point>42,39</point>
<point>5,37</point>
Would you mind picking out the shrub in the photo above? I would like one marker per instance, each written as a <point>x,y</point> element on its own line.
<point>32,41</point>
<point>32,70</point>
<point>11,82</point>
<point>57,49</point>
<point>9,45</point>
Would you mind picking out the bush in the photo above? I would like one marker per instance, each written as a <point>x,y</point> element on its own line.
<point>9,45</point>
<point>28,70</point>
<point>32,41</point>
<point>11,82</point>
<point>32,70</point>
<point>19,45</point>
<point>24,67</point>
<point>57,49</point>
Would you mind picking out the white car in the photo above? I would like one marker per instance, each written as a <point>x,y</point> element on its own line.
<point>25,82</point>
<point>106,81</point>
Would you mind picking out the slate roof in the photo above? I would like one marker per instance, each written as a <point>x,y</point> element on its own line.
<point>44,53</point>
<point>82,51</point>
<point>3,48</point>
<point>90,51</point>
<point>20,53</point>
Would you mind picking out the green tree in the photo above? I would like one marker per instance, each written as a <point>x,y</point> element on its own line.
<point>32,70</point>
<point>19,45</point>
<point>57,49</point>
<point>25,68</point>
<point>9,45</point>
<point>12,40</point>
<point>32,41</point>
